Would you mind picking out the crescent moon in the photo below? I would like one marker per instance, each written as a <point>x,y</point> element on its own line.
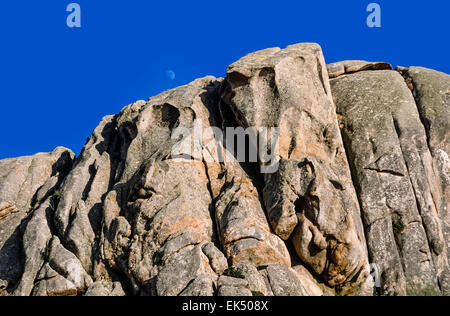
<point>170,74</point>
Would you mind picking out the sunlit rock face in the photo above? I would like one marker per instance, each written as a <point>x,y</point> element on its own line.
<point>398,173</point>
<point>360,175</point>
<point>310,199</point>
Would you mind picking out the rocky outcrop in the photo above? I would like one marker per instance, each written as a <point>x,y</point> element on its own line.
<point>25,184</point>
<point>398,186</point>
<point>272,280</point>
<point>160,203</point>
<point>352,66</point>
<point>163,231</point>
<point>431,90</point>
<point>310,199</point>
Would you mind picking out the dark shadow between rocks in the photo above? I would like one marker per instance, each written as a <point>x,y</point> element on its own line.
<point>11,260</point>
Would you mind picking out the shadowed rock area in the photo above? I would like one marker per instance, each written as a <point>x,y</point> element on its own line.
<point>159,203</point>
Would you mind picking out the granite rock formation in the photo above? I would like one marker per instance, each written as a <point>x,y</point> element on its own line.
<point>158,204</point>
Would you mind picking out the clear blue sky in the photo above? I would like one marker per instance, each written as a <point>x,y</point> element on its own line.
<point>56,83</point>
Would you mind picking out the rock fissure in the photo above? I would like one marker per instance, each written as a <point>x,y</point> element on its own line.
<point>362,175</point>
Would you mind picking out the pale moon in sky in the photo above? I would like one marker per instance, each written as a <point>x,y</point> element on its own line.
<point>170,74</point>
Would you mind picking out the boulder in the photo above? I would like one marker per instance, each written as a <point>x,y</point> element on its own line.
<point>310,197</point>
<point>354,169</point>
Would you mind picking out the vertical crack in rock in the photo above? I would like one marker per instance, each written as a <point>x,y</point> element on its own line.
<point>329,236</point>
<point>155,233</point>
<point>158,203</point>
<point>431,90</point>
<point>395,179</point>
<point>163,217</point>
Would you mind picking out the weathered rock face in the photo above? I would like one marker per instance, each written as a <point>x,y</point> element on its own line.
<point>159,227</point>
<point>272,280</point>
<point>310,199</point>
<point>352,66</point>
<point>431,90</point>
<point>397,184</point>
<point>158,204</point>
<point>24,184</point>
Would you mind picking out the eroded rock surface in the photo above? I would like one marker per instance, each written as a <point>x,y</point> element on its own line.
<point>310,199</point>
<point>165,230</point>
<point>25,183</point>
<point>158,203</point>
<point>394,174</point>
<point>271,280</point>
<point>352,66</point>
<point>431,90</point>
